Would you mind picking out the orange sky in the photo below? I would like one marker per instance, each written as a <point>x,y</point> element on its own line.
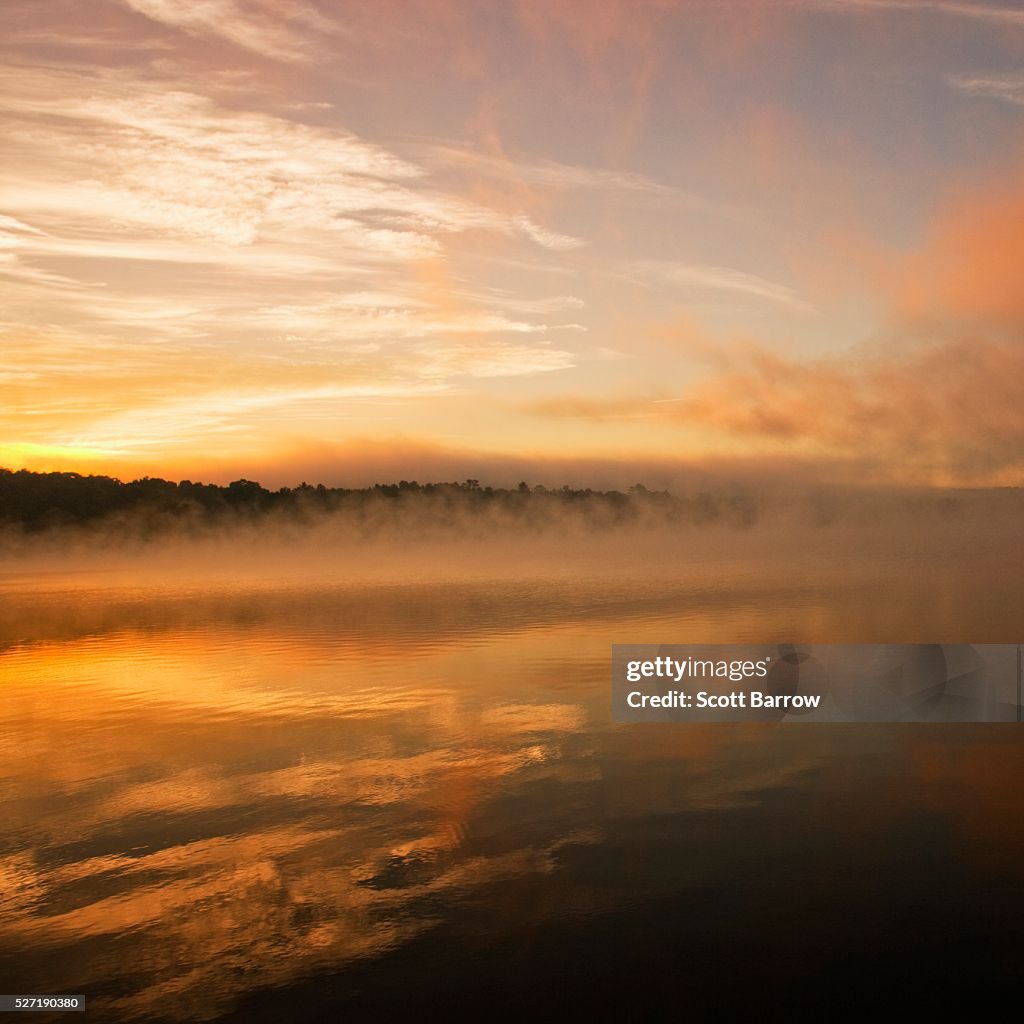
<point>596,241</point>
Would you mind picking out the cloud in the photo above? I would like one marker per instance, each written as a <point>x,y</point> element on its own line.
<point>1007,89</point>
<point>11,228</point>
<point>479,360</point>
<point>934,399</point>
<point>528,305</point>
<point>598,408</point>
<point>549,173</point>
<point>139,213</point>
<point>973,11</point>
<point>383,317</point>
<point>119,154</point>
<point>715,278</point>
<point>190,213</point>
<point>282,32</point>
<point>170,164</point>
<point>544,237</point>
<point>941,413</point>
<point>969,268</point>
<point>202,416</point>
<point>83,396</point>
<point>936,414</point>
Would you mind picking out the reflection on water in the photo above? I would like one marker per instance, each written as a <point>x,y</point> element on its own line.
<point>262,800</point>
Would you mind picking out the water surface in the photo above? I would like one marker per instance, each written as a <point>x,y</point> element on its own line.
<point>288,796</point>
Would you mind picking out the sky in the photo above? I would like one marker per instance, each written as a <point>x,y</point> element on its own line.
<point>584,241</point>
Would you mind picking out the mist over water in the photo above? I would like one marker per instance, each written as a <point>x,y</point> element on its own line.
<point>248,776</point>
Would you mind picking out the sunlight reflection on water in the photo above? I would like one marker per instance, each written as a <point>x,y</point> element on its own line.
<point>214,791</point>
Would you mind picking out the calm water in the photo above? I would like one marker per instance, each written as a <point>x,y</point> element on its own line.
<point>294,798</point>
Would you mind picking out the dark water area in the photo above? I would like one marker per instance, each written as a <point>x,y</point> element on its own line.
<point>303,800</point>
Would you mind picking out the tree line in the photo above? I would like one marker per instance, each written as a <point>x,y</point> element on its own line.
<point>42,501</point>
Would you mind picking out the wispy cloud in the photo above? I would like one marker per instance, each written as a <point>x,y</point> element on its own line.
<point>145,212</point>
<point>976,11</point>
<point>111,168</point>
<point>1007,89</point>
<point>283,32</point>
<point>173,164</point>
<point>383,317</point>
<point>76,393</point>
<point>543,237</point>
<point>715,278</point>
<point>553,175</point>
<point>220,411</point>
<point>544,172</point>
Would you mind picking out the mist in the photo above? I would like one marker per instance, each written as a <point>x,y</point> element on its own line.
<point>232,560</point>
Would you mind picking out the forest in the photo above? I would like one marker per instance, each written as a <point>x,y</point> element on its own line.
<point>44,501</point>
<point>38,503</point>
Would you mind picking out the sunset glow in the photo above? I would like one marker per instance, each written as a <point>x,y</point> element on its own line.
<point>592,241</point>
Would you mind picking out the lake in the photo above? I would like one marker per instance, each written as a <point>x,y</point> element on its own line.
<point>387,782</point>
